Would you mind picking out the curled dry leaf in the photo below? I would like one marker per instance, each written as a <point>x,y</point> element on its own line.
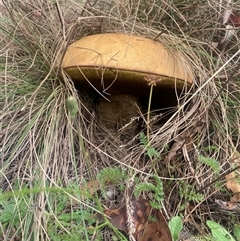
<point>149,222</point>
<point>230,17</point>
<point>226,15</point>
<point>231,20</point>
<point>234,19</point>
<point>232,179</point>
<point>185,139</point>
<point>228,206</point>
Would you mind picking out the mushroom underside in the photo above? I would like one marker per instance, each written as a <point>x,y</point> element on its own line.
<point>111,82</point>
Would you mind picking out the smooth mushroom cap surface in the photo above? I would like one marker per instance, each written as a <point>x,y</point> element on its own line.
<point>119,63</point>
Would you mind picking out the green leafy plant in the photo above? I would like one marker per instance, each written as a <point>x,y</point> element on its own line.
<point>188,192</point>
<point>212,163</point>
<point>175,226</point>
<point>112,175</point>
<point>118,176</point>
<point>156,188</point>
<point>64,220</point>
<point>219,232</point>
<point>236,231</point>
<point>150,151</point>
<point>12,210</point>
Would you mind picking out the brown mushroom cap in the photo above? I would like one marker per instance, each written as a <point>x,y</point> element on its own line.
<point>119,63</point>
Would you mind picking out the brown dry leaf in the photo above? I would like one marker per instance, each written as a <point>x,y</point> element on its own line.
<point>232,179</point>
<point>118,218</point>
<point>186,137</point>
<point>235,20</point>
<point>149,222</point>
<point>228,206</point>
<point>232,21</point>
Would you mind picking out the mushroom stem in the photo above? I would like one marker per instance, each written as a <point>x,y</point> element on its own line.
<point>119,113</point>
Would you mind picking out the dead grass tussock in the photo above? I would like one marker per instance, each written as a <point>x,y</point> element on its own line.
<point>41,145</point>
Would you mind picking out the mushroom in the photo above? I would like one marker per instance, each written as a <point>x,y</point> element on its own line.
<point>121,67</point>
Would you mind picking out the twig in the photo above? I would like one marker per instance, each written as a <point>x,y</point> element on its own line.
<point>61,19</point>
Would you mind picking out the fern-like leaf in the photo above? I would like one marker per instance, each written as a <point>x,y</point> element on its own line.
<point>113,175</point>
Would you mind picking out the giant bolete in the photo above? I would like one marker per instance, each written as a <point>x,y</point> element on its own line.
<point>120,67</point>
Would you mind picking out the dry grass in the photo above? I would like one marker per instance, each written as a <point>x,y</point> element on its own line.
<point>42,147</point>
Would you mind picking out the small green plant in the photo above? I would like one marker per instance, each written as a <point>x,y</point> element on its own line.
<point>156,188</point>
<point>212,163</point>
<point>175,226</point>
<point>64,220</point>
<point>236,231</point>
<point>12,212</point>
<point>187,192</point>
<point>112,176</point>
<point>150,151</point>
<point>219,232</point>
<point>76,220</point>
<point>118,176</point>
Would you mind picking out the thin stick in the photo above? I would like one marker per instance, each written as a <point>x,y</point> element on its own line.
<point>61,19</point>
<point>148,112</point>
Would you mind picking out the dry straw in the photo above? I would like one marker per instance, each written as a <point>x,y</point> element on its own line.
<point>40,143</point>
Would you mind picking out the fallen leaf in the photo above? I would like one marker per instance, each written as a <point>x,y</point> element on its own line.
<point>118,218</point>
<point>149,222</point>
<point>228,206</point>
<point>231,21</point>
<point>232,179</point>
<point>235,20</point>
<point>185,139</point>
